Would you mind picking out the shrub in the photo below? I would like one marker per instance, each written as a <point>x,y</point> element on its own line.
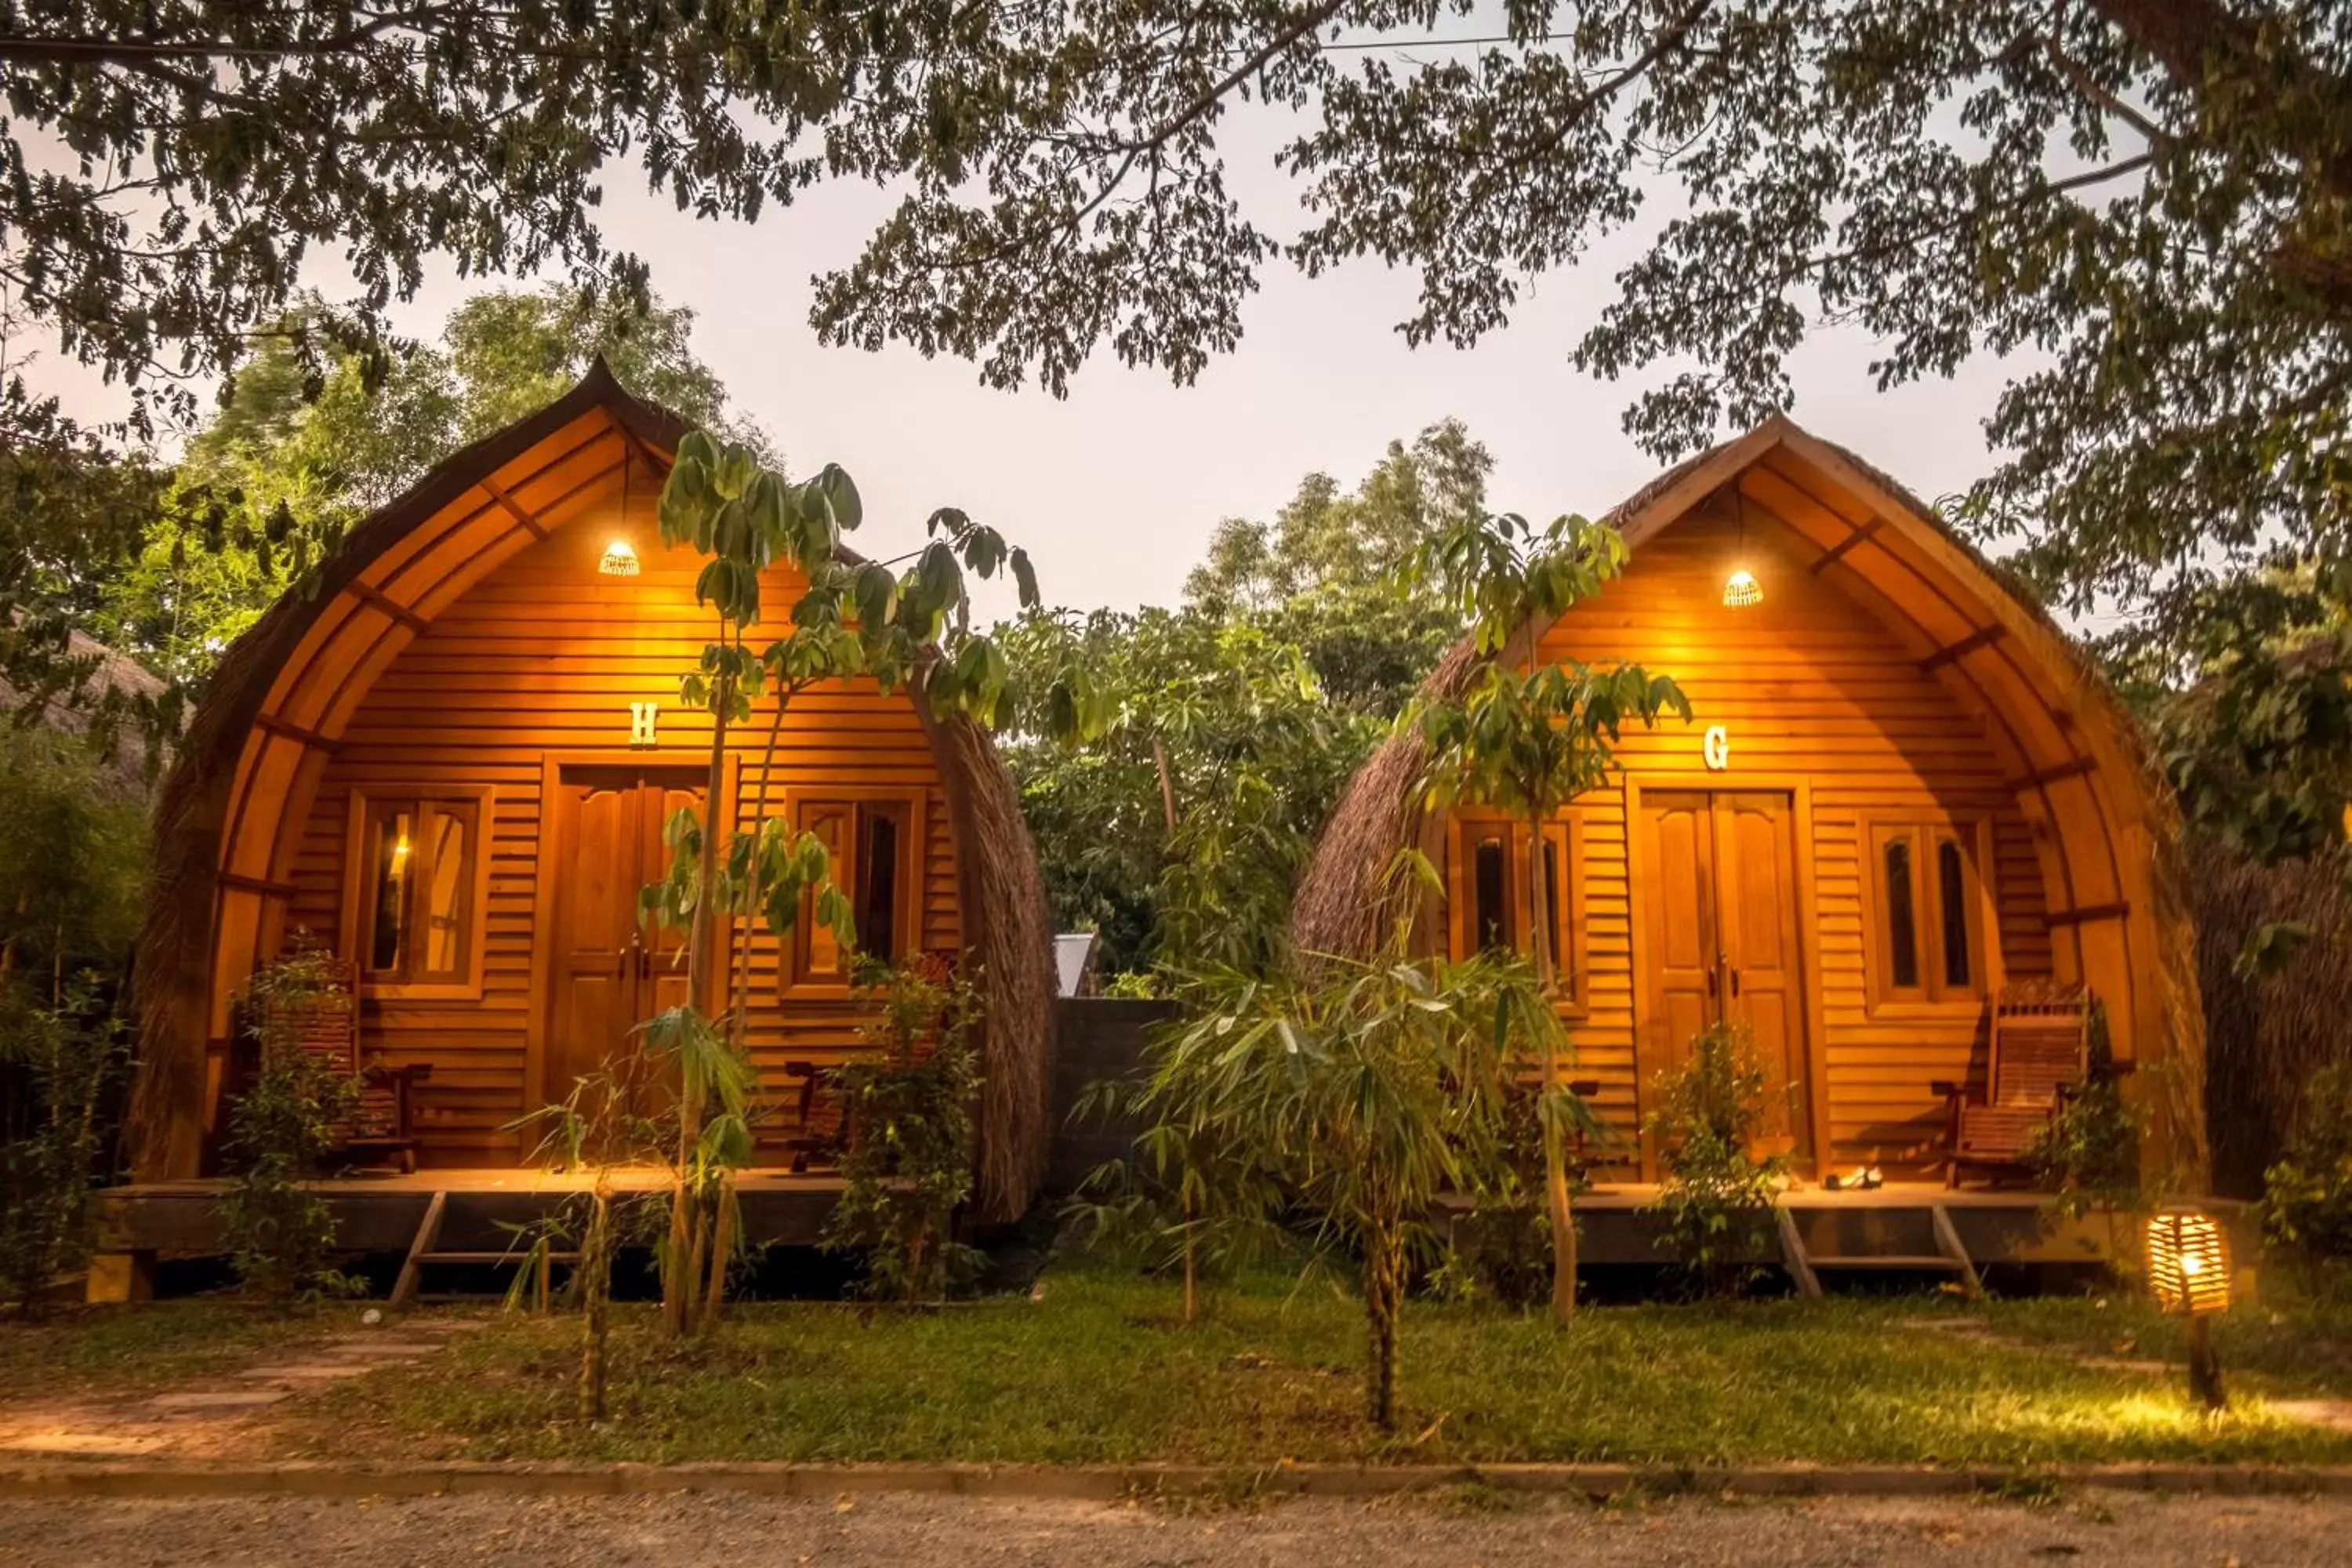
<point>1370,1090</point>
<point>2307,1199</point>
<point>597,1128</point>
<point>2088,1157</point>
<point>1501,1248</point>
<point>1716,1196</point>
<point>280,1233</point>
<point>1190,1199</point>
<point>63,1060</point>
<point>907,1109</point>
<point>72,858</point>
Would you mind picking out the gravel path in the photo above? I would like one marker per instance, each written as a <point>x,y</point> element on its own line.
<point>683,1530</point>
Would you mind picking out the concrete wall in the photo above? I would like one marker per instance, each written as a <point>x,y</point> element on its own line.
<point>1102,1037</point>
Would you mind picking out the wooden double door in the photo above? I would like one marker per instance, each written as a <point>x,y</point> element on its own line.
<point>609,973</point>
<point>1719,893</point>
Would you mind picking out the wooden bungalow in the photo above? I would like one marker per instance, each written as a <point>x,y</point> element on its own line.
<point>1903,790</point>
<point>449,764</point>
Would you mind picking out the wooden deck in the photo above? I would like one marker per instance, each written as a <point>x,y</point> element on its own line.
<point>1915,1227</point>
<point>137,1223</point>
<point>1895,1229</point>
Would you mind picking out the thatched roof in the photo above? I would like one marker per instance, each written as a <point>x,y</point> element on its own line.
<point>2101,762</point>
<point>99,681</point>
<point>1007,921</point>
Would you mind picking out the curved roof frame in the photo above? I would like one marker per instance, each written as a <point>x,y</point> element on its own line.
<point>2077,755</point>
<point>228,820</point>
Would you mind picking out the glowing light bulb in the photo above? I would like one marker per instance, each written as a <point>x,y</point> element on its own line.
<point>1741,589</point>
<point>620,560</point>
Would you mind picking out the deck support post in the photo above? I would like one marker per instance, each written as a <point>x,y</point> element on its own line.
<point>405,1289</point>
<point>1948,1242</point>
<point>1792,1254</point>
<point>118,1276</point>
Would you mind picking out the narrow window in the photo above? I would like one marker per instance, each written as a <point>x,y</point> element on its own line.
<point>445,915</point>
<point>395,847</point>
<point>1553,897</point>
<point>1492,920</point>
<point>878,885</point>
<point>1902,921</point>
<point>820,950</point>
<point>422,856</point>
<point>871,844</point>
<point>1951,887</point>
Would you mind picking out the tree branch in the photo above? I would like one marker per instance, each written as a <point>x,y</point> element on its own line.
<point>1303,24</point>
<point>1667,40</point>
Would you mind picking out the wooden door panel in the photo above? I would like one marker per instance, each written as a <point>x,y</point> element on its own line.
<point>595,962</point>
<point>1678,928</point>
<point>1720,939</point>
<point>1756,859</point>
<point>611,974</point>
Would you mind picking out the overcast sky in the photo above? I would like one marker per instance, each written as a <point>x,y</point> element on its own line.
<point>1115,488</point>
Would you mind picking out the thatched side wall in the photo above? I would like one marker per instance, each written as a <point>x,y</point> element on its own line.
<point>1346,905</point>
<point>1011,931</point>
<point>2266,1036</point>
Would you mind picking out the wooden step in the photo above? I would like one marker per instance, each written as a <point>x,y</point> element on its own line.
<point>428,1234</point>
<point>524,1257</point>
<point>1936,1261</point>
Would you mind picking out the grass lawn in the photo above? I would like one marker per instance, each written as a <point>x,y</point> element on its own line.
<point>130,1349</point>
<point>1100,1371</point>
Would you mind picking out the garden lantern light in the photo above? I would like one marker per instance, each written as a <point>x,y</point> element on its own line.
<point>620,560</point>
<point>2188,1270</point>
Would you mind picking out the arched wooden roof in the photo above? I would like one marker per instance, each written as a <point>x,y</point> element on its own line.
<point>282,698</point>
<point>2106,827</point>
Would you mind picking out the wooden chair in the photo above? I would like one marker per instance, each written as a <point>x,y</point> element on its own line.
<point>823,1128</point>
<point>2038,1057</point>
<point>378,1127</point>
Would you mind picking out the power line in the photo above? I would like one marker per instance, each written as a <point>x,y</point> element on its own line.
<point>1445,43</point>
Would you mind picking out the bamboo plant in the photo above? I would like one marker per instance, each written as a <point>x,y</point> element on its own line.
<point>905,622</point>
<point>599,1129</point>
<point>1368,1090</point>
<point>1527,738</point>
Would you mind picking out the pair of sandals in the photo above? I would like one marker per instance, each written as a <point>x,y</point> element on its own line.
<point>1869,1179</point>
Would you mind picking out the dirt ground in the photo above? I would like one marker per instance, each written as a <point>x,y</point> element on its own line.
<point>901,1531</point>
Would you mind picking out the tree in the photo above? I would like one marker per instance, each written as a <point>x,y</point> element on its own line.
<point>1225,729</point>
<point>1369,1089</point>
<point>1528,737</point>
<point>72,509</point>
<point>1324,575</point>
<point>296,456</point>
<point>513,352</point>
<point>1213,755</point>
<point>209,149</point>
<point>2244,684</point>
<point>903,629</point>
<point>73,847</point>
<point>2150,198</point>
<point>1325,539</point>
<point>265,492</point>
